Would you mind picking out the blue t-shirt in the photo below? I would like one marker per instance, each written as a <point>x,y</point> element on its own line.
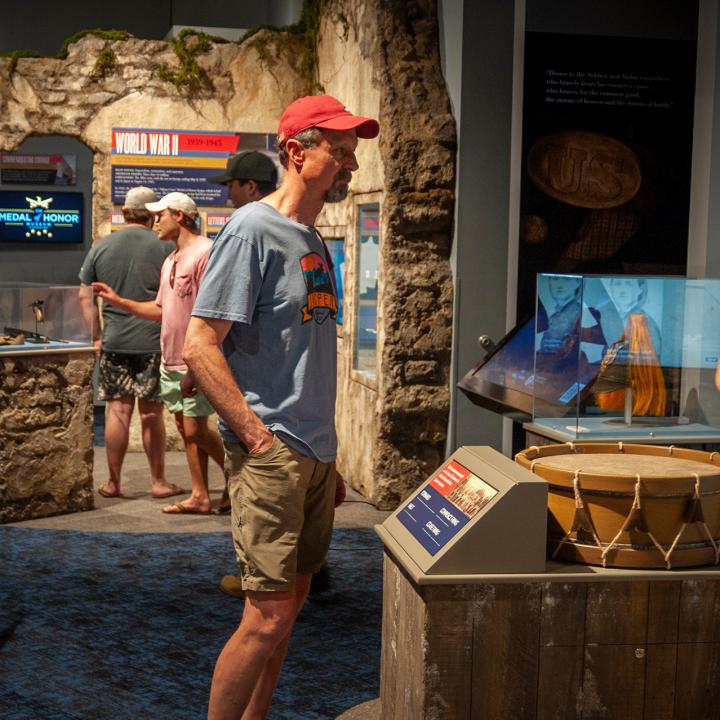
<point>270,276</point>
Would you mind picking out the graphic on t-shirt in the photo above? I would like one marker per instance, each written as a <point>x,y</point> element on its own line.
<point>321,301</point>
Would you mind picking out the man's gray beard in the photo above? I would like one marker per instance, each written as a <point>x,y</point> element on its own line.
<point>337,193</point>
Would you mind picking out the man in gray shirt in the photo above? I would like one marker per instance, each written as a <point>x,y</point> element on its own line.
<point>130,260</point>
<point>261,344</point>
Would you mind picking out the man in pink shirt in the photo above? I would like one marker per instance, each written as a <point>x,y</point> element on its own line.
<point>176,217</point>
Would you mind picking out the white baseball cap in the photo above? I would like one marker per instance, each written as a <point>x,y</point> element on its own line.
<point>137,198</point>
<point>174,201</point>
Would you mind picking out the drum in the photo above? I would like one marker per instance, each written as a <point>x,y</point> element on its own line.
<point>626,505</point>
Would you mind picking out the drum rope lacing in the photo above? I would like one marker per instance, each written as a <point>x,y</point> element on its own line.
<point>581,519</point>
<point>635,520</point>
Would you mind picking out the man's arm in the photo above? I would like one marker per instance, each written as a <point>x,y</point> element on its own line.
<point>146,309</point>
<point>90,314</point>
<point>213,376</point>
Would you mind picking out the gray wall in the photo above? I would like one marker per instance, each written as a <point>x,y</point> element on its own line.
<point>43,25</point>
<point>705,250</point>
<point>477,45</point>
<point>44,262</point>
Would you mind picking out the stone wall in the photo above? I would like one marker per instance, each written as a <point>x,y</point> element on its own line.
<point>46,455</point>
<point>381,58</point>
<point>70,97</point>
<point>384,61</point>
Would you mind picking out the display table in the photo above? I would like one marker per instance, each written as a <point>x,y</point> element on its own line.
<point>46,417</point>
<point>477,623</point>
<point>574,641</point>
<point>552,430</point>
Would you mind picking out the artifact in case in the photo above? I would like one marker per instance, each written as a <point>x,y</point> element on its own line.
<point>36,318</point>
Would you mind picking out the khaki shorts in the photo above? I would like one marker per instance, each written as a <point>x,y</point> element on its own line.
<point>175,402</point>
<point>283,505</point>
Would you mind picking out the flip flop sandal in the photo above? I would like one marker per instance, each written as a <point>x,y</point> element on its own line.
<point>106,494</point>
<point>184,510</point>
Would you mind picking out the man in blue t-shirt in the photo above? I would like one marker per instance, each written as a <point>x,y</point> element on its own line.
<point>261,344</point>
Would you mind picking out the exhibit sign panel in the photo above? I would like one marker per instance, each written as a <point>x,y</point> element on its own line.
<point>475,514</point>
<point>178,161</point>
<point>23,169</point>
<point>214,223</point>
<point>445,505</point>
<point>54,217</point>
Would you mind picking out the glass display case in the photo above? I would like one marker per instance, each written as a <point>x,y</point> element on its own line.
<point>611,358</point>
<point>36,318</point>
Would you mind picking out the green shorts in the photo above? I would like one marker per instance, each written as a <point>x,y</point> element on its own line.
<point>195,406</point>
<point>283,506</point>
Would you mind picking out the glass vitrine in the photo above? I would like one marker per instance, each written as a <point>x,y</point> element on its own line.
<point>41,318</point>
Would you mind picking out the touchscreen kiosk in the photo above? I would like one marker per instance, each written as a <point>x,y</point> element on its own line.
<point>479,512</point>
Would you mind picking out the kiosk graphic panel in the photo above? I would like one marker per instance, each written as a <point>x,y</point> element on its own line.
<point>445,505</point>
<point>477,513</point>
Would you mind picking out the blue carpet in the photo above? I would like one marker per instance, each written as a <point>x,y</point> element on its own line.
<point>110,626</point>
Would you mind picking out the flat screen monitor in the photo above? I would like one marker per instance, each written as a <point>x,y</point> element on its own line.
<point>506,379</point>
<point>41,217</point>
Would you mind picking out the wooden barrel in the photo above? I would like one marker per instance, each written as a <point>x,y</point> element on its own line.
<point>626,505</point>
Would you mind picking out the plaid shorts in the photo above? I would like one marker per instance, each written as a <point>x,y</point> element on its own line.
<point>123,375</point>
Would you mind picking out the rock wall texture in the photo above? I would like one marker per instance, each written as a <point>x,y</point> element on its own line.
<point>418,146</point>
<point>381,58</point>
<point>46,455</point>
<point>393,47</point>
<point>70,97</point>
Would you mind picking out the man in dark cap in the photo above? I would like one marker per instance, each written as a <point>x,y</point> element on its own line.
<point>249,176</point>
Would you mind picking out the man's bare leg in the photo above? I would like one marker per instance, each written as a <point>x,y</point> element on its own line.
<point>259,704</point>
<point>209,440</point>
<point>197,459</point>
<point>248,667</point>
<point>153,439</point>
<point>117,432</point>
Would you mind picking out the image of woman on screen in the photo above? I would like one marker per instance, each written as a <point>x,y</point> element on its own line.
<point>629,295</point>
<point>634,360</point>
<point>567,327</point>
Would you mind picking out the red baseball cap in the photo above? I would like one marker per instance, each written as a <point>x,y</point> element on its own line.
<point>322,111</point>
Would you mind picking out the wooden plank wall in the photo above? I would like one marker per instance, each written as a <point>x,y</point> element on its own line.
<point>550,651</point>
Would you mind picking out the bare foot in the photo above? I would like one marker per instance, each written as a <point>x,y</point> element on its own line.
<point>109,490</point>
<point>165,490</point>
<point>188,507</point>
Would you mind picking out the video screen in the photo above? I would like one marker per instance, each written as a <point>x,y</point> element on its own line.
<point>593,336</point>
<point>41,217</point>
<point>507,378</point>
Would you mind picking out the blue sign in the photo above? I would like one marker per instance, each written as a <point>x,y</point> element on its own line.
<point>49,217</point>
<point>432,519</point>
